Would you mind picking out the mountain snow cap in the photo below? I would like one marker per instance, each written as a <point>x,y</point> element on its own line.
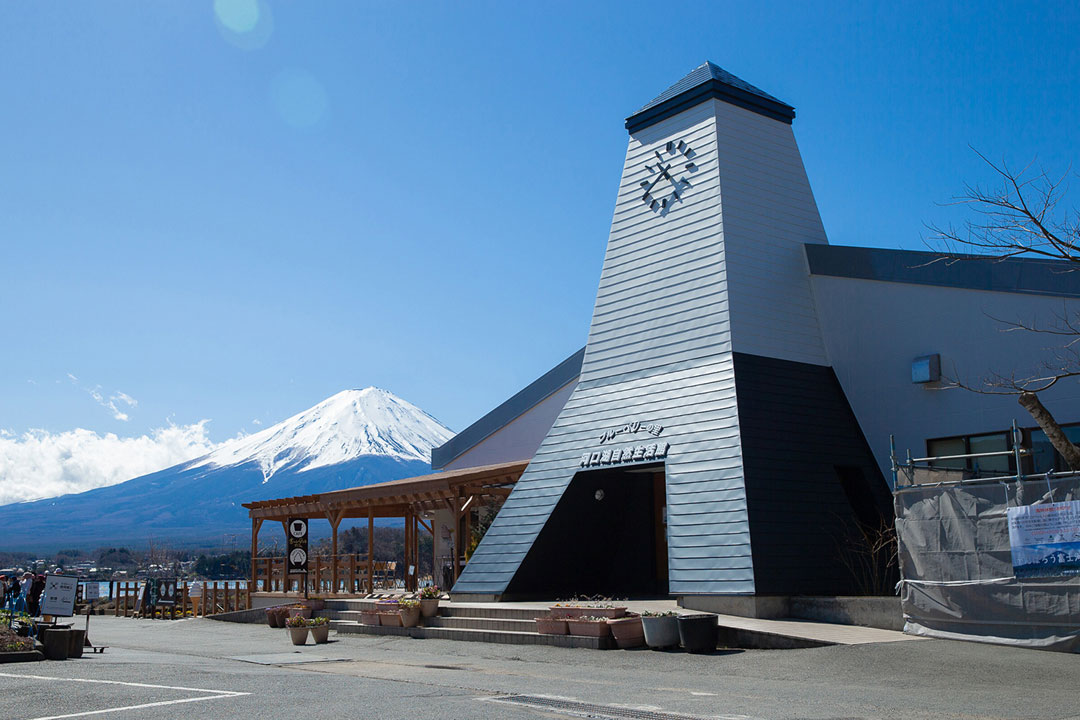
<point>345,426</point>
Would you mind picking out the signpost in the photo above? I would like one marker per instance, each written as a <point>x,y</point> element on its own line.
<point>58,598</point>
<point>298,548</point>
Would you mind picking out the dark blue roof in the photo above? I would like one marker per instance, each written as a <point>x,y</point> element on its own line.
<point>702,83</point>
<point>1032,276</point>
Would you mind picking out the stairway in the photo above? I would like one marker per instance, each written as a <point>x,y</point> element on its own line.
<point>467,622</point>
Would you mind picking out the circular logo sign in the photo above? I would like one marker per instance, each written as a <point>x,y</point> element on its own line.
<point>298,556</point>
<point>298,528</point>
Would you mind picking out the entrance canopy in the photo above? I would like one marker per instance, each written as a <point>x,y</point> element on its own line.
<point>413,499</point>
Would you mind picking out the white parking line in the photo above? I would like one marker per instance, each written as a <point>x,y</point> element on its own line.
<point>214,694</point>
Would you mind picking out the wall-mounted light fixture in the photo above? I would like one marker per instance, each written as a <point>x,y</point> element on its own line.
<point>926,369</point>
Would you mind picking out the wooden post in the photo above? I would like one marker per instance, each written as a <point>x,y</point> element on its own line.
<point>256,525</point>
<point>371,550</point>
<point>335,521</point>
<point>115,594</point>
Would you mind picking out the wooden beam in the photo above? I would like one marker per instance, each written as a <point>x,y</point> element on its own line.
<point>371,551</point>
<point>256,524</point>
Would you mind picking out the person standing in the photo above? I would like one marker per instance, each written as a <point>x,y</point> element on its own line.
<point>33,603</point>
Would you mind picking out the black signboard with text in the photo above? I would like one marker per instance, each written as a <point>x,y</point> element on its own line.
<point>297,535</point>
<point>166,591</point>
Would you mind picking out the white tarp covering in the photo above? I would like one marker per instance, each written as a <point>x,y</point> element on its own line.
<point>956,561</point>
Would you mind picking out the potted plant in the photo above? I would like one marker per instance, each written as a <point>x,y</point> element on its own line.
<point>551,626</point>
<point>661,628</point>
<point>320,629</point>
<point>298,629</point>
<point>698,632</point>
<point>390,619</point>
<point>299,610</point>
<point>429,601</point>
<point>628,631</point>
<point>410,612</point>
<point>593,609</point>
<point>589,626</point>
<point>369,617</point>
<point>276,616</point>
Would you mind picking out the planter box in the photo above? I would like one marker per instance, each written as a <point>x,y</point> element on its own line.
<point>584,610</point>
<point>410,617</point>
<point>369,617</point>
<point>298,635</point>
<point>20,656</point>
<point>588,628</point>
<point>429,607</point>
<point>698,633</point>
<point>661,632</point>
<point>552,626</point>
<point>389,619</point>
<point>320,633</point>
<point>628,631</point>
<point>56,641</point>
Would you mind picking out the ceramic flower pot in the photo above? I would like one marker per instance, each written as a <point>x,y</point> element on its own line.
<point>320,633</point>
<point>698,633</point>
<point>410,617</point>
<point>390,619</point>
<point>661,632</point>
<point>304,612</point>
<point>552,626</point>
<point>628,631</point>
<point>585,611</point>
<point>298,635</point>
<point>429,607</point>
<point>588,628</point>
<point>369,617</point>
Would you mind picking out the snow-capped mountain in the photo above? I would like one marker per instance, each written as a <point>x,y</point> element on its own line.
<point>356,437</point>
<point>341,428</point>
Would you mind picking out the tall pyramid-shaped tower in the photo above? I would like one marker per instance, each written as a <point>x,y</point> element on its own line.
<point>656,477</point>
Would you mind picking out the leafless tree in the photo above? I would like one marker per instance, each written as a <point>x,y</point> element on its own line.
<point>1021,218</point>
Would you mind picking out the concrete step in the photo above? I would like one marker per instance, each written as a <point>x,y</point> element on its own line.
<point>481,623</point>
<point>475,635</point>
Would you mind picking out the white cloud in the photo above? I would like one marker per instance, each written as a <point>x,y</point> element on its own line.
<point>40,464</point>
<point>109,403</point>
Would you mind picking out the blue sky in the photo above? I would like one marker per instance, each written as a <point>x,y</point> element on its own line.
<point>234,225</point>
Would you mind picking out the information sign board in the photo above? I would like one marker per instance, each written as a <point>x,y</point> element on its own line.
<point>1045,539</point>
<point>58,598</point>
<point>298,545</point>
<point>166,591</point>
<point>90,591</point>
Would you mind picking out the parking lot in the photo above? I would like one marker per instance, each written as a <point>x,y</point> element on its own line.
<point>207,669</point>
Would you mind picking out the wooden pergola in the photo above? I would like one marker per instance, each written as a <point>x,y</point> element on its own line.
<point>413,499</point>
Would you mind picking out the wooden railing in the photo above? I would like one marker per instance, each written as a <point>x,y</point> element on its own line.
<point>326,575</point>
<point>197,598</point>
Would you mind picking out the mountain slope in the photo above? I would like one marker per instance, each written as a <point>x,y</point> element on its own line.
<point>357,437</point>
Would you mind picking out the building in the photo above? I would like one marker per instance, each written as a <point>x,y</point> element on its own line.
<point>726,427</point>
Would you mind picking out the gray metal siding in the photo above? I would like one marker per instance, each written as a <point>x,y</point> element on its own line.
<point>659,351</point>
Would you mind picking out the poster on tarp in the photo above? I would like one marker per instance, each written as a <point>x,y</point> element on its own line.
<point>58,598</point>
<point>1045,539</point>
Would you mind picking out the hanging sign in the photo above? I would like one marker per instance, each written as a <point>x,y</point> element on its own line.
<point>298,545</point>
<point>166,591</point>
<point>58,598</point>
<point>1045,539</point>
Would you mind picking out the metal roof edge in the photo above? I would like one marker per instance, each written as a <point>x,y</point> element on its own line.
<point>1030,276</point>
<point>708,90</point>
<point>508,411</point>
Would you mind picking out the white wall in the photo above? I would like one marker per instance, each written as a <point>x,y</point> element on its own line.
<point>519,439</point>
<point>873,330</point>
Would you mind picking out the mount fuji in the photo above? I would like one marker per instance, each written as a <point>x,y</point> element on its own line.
<point>356,437</point>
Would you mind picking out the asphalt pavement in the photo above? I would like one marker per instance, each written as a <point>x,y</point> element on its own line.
<point>207,669</point>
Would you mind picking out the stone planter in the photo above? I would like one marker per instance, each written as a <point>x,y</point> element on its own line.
<point>552,626</point>
<point>298,635</point>
<point>698,633</point>
<point>304,612</point>
<point>320,633</point>
<point>56,642</point>
<point>369,617</point>
<point>75,643</point>
<point>390,619</point>
<point>410,617</point>
<point>661,632</point>
<point>588,628</point>
<point>585,611</point>
<point>429,607</point>
<point>628,631</point>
